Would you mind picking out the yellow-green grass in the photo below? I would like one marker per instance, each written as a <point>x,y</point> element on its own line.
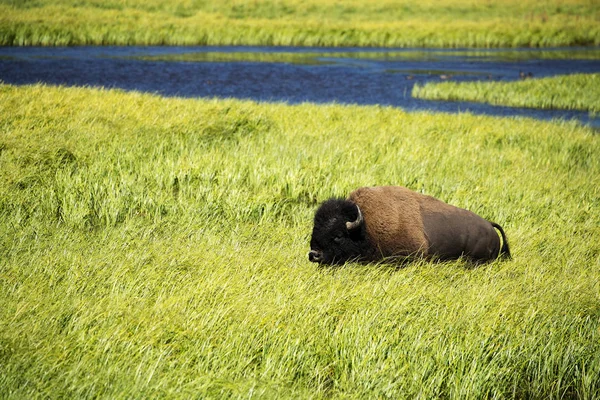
<point>154,247</point>
<point>398,23</point>
<point>323,57</point>
<point>573,92</point>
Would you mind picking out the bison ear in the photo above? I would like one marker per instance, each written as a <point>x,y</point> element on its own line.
<point>352,225</point>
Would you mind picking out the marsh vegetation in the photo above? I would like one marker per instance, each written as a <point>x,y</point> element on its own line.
<point>389,23</point>
<point>577,91</point>
<point>155,247</point>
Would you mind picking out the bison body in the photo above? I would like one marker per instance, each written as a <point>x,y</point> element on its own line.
<point>376,223</point>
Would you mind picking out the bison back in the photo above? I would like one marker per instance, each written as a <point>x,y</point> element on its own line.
<point>453,232</point>
<point>400,222</point>
<point>392,220</point>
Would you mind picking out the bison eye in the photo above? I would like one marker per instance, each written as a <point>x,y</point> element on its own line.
<point>338,237</point>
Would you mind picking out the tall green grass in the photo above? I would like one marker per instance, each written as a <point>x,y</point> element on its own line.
<point>573,92</point>
<point>154,247</point>
<point>405,23</point>
<point>324,57</point>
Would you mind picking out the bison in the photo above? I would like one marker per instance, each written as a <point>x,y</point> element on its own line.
<point>377,223</point>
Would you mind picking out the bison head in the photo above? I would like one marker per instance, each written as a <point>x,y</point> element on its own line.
<point>339,233</point>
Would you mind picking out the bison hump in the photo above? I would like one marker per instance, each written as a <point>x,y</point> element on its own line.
<point>392,219</point>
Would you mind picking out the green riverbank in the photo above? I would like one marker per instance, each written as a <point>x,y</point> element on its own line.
<point>154,247</point>
<point>404,23</point>
<point>572,92</point>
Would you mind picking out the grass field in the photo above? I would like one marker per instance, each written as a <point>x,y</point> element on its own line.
<point>573,92</point>
<point>323,57</point>
<point>154,247</point>
<point>390,23</point>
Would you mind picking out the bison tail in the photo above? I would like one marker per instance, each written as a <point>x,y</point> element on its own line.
<point>505,250</point>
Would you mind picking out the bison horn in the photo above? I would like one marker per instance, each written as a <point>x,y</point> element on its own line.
<point>351,225</point>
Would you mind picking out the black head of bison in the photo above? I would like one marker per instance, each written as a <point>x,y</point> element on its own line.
<point>339,233</point>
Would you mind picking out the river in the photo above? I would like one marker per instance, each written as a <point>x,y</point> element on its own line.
<point>294,75</point>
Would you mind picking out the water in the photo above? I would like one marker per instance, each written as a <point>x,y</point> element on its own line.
<point>293,75</point>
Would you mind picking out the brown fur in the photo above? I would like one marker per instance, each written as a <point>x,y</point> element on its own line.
<point>400,222</point>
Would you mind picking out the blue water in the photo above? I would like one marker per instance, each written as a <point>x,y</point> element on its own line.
<point>348,75</point>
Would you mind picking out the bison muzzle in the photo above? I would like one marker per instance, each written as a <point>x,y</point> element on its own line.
<point>380,223</point>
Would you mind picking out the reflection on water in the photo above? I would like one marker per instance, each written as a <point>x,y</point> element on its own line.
<point>348,75</point>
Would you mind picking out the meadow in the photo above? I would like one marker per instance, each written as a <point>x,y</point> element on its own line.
<point>572,92</point>
<point>324,57</point>
<point>388,23</point>
<point>157,247</point>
